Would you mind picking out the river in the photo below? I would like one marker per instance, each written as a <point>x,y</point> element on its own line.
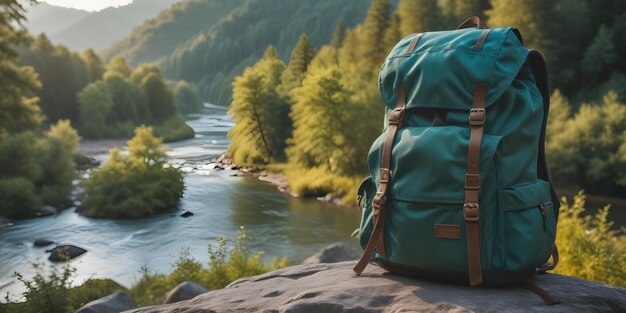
<point>278,224</point>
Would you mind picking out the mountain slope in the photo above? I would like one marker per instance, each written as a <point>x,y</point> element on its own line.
<point>43,17</point>
<point>96,29</point>
<point>208,43</point>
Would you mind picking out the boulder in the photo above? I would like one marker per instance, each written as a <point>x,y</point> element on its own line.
<point>47,210</point>
<point>64,253</point>
<point>5,222</point>
<point>113,303</point>
<point>334,253</point>
<point>185,291</point>
<point>42,242</point>
<point>333,287</point>
<point>186,214</point>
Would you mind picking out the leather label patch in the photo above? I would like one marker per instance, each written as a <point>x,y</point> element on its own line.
<point>447,231</point>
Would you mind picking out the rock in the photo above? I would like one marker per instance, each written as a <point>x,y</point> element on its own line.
<point>335,288</point>
<point>334,253</point>
<point>185,291</point>
<point>113,303</point>
<point>47,210</point>
<point>42,242</point>
<point>186,214</point>
<point>64,253</point>
<point>5,222</point>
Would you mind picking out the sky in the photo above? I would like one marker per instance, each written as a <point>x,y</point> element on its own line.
<point>89,5</point>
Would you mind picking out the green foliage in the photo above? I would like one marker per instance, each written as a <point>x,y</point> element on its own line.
<point>419,16</point>
<point>96,102</point>
<point>26,177</point>
<point>229,261</point>
<point>51,291</point>
<point>95,67</point>
<point>261,116</point>
<point>588,149</point>
<point>174,129</point>
<point>293,75</point>
<point>187,98</point>
<point>588,246</point>
<point>139,184</point>
<point>118,66</point>
<point>210,42</point>
<point>600,57</point>
<point>159,96</point>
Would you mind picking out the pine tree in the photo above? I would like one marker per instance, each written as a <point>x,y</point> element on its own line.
<point>96,103</point>
<point>600,57</point>
<point>534,19</point>
<point>261,116</point>
<point>393,34</point>
<point>372,31</point>
<point>18,105</point>
<point>293,75</point>
<point>95,67</point>
<point>339,34</point>
<point>456,11</point>
<point>159,96</point>
<point>418,16</point>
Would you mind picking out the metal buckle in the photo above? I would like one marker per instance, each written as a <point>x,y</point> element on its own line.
<point>477,117</point>
<point>385,175</point>
<point>470,211</point>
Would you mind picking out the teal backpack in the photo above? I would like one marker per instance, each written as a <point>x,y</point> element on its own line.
<point>459,188</point>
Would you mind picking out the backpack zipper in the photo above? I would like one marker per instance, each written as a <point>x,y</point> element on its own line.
<point>544,214</point>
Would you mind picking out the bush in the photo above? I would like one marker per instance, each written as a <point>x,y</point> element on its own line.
<point>226,265</point>
<point>52,293</point>
<point>18,197</point>
<point>588,247</point>
<point>136,185</point>
<point>174,129</point>
<point>319,181</point>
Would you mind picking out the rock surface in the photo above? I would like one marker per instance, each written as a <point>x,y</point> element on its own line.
<point>5,222</point>
<point>185,291</point>
<point>331,288</point>
<point>64,253</point>
<point>113,303</point>
<point>334,253</point>
<point>42,242</point>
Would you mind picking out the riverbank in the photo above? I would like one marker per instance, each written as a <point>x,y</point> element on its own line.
<point>275,177</point>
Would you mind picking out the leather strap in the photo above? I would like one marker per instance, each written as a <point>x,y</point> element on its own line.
<point>379,203</point>
<point>553,264</point>
<point>473,21</point>
<point>414,42</point>
<point>481,40</point>
<point>546,297</point>
<point>472,185</point>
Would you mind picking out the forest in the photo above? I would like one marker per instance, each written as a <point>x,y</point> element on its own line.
<point>329,99</point>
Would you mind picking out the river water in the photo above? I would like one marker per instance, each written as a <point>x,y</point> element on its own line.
<point>279,224</point>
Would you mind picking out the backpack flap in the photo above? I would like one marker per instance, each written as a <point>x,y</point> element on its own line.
<point>442,68</point>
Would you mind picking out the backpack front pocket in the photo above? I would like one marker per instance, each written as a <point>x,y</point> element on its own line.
<point>528,225</point>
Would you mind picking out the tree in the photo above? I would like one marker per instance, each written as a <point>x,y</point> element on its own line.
<point>418,16</point>
<point>456,11</point>
<point>95,67</point>
<point>339,34</point>
<point>96,103</point>
<point>261,116</point>
<point>373,28</point>
<point>187,98</point>
<point>18,106</point>
<point>124,99</point>
<point>144,149</point>
<point>160,97</point>
<point>118,65</point>
<point>319,116</point>
<point>534,20</point>
<point>600,57</point>
<point>301,57</point>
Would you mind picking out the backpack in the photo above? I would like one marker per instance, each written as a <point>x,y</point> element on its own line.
<point>459,188</point>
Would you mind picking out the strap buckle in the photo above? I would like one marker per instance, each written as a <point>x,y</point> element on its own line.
<point>378,203</point>
<point>470,211</point>
<point>396,115</point>
<point>477,117</point>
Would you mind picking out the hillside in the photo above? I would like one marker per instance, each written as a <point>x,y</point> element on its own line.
<point>209,42</point>
<point>80,30</point>
<point>51,19</point>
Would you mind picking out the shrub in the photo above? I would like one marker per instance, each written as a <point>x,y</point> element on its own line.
<point>319,181</point>
<point>229,261</point>
<point>174,129</point>
<point>588,247</point>
<point>136,185</point>
<point>17,197</point>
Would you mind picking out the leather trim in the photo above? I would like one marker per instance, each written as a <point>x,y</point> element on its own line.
<point>445,231</point>
<point>379,202</point>
<point>471,208</point>
<point>414,42</point>
<point>481,40</point>
<point>472,21</point>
